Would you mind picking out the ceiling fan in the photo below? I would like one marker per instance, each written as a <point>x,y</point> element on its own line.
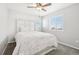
<point>40,6</point>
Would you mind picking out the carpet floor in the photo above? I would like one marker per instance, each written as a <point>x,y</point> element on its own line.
<point>9,49</point>
<point>61,50</point>
<point>64,50</point>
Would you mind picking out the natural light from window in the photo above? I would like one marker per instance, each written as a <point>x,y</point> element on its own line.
<point>56,23</point>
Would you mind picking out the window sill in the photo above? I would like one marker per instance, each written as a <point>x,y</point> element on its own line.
<point>56,30</point>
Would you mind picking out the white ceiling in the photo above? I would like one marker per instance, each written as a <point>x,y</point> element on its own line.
<point>22,7</point>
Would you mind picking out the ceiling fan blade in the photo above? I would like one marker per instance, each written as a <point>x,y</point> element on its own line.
<point>48,4</point>
<point>31,7</point>
<point>43,9</point>
<point>38,4</point>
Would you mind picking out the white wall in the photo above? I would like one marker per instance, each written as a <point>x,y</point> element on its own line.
<point>3,18</point>
<point>70,15</point>
<point>3,27</point>
<point>13,17</point>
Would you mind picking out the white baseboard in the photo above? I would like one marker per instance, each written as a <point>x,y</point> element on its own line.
<point>4,49</point>
<point>68,45</point>
<point>5,46</point>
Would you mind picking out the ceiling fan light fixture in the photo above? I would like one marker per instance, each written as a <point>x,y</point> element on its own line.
<point>40,6</point>
<point>34,4</point>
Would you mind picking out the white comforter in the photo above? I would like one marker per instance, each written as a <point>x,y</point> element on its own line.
<point>32,42</point>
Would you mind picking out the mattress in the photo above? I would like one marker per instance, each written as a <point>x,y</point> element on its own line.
<point>32,43</point>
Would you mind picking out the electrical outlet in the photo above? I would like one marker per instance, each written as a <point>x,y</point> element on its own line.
<point>77,41</point>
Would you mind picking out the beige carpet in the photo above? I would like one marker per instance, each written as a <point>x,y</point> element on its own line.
<point>61,50</point>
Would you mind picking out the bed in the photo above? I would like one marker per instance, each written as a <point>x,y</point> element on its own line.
<point>33,42</point>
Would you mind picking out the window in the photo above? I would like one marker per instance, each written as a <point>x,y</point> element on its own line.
<point>56,23</point>
<point>38,25</point>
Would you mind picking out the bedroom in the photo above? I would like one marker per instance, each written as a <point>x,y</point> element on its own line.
<point>55,26</point>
